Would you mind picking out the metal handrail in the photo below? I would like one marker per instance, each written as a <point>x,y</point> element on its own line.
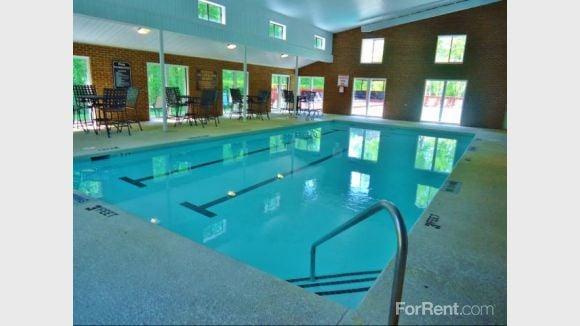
<point>400,262</point>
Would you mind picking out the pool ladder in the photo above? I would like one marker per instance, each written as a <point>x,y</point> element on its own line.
<point>401,258</point>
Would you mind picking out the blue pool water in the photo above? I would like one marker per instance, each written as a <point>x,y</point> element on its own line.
<point>292,185</point>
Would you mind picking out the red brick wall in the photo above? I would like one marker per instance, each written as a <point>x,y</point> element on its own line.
<point>409,59</point>
<point>102,57</point>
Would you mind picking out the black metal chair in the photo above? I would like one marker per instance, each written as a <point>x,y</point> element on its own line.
<point>114,110</point>
<point>82,105</point>
<point>176,101</point>
<point>259,105</point>
<point>289,99</point>
<point>132,96</point>
<point>207,106</point>
<point>237,102</point>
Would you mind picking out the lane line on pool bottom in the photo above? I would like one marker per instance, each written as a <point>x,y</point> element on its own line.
<point>203,209</point>
<point>139,182</point>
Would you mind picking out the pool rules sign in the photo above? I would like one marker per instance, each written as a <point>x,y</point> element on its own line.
<point>121,74</point>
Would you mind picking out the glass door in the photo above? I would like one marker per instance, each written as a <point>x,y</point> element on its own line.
<point>368,97</point>
<point>175,76</point>
<point>313,84</point>
<point>443,101</point>
<point>81,76</point>
<point>231,79</point>
<point>279,84</point>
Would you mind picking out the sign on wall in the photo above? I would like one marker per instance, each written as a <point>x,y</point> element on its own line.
<point>121,74</point>
<point>206,79</point>
<point>343,80</point>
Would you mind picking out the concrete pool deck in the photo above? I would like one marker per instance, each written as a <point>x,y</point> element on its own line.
<point>128,271</point>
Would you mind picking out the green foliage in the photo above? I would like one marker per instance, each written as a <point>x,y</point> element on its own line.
<point>80,71</point>
<point>202,11</point>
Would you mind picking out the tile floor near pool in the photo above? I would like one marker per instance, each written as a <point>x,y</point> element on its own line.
<point>129,271</point>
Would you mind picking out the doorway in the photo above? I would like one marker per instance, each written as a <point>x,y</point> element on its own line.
<point>231,79</point>
<point>368,97</point>
<point>279,84</point>
<point>443,101</point>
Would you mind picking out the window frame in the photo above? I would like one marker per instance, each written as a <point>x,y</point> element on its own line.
<point>271,22</point>
<point>448,62</point>
<point>445,81</point>
<point>323,39</point>
<point>374,39</point>
<point>208,4</point>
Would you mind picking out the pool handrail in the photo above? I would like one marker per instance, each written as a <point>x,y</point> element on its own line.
<point>402,249</point>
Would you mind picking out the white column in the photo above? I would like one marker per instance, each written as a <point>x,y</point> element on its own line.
<point>246,82</point>
<point>296,82</point>
<point>163,84</point>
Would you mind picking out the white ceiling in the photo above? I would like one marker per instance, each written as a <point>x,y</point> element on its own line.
<point>339,15</point>
<point>98,31</point>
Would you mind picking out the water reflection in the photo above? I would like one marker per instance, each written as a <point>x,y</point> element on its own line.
<point>364,144</point>
<point>233,153</point>
<point>214,230</point>
<point>309,140</point>
<point>87,182</point>
<point>160,166</point>
<point>359,182</point>
<point>435,154</point>
<point>272,204</point>
<point>424,195</point>
<point>310,190</point>
<point>277,144</point>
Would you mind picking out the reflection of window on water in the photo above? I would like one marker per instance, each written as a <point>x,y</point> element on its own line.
<point>233,152</point>
<point>424,195</point>
<point>359,182</point>
<point>272,204</point>
<point>213,231</point>
<point>91,188</point>
<point>277,144</point>
<point>160,166</point>
<point>309,140</point>
<point>310,189</point>
<point>364,144</point>
<point>182,167</point>
<point>435,154</point>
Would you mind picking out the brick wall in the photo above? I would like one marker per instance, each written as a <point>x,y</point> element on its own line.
<point>409,60</point>
<point>102,57</point>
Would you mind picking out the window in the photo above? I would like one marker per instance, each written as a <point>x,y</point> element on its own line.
<point>81,70</point>
<point>435,154</point>
<point>232,79</point>
<point>443,101</point>
<point>211,12</point>
<point>368,96</point>
<point>175,76</point>
<point>372,50</point>
<point>277,30</point>
<point>313,84</point>
<point>280,83</point>
<point>450,48</point>
<point>319,42</point>
<point>364,144</point>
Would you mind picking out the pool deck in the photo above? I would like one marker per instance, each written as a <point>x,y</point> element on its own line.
<point>129,271</point>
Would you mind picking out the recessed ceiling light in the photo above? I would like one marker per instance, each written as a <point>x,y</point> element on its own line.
<point>143,30</point>
<point>231,46</point>
<point>284,55</point>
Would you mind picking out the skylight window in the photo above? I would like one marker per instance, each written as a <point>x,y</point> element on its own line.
<point>212,12</point>
<point>372,50</point>
<point>450,48</point>
<point>319,42</point>
<point>277,30</point>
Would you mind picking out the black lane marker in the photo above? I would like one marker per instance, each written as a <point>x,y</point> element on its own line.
<point>342,291</point>
<point>139,182</point>
<point>292,280</point>
<point>101,157</point>
<point>357,280</point>
<point>198,209</point>
<point>133,182</point>
<point>267,181</point>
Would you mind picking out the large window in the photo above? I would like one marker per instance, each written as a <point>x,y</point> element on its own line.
<point>443,101</point>
<point>435,154</point>
<point>372,50</point>
<point>279,84</point>
<point>212,12</point>
<point>175,76</point>
<point>81,70</point>
<point>277,30</point>
<point>368,96</point>
<point>364,144</point>
<point>313,84</point>
<point>319,42</point>
<point>231,79</point>
<point>450,48</point>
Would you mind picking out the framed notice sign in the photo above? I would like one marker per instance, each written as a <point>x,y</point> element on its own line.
<point>343,80</point>
<point>121,74</point>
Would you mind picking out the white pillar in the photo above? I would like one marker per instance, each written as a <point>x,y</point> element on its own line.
<point>296,82</point>
<point>163,84</point>
<point>246,82</point>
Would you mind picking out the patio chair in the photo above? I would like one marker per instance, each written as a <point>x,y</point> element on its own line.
<point>176,101</point>
<point>259,105</point>
<point>81,106</point>
<point>114,110</point>
<point>207,106</point>
<point>157,107</point>
<point>237,101</point>
<point>289,99</point>
<point>132,96</point>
